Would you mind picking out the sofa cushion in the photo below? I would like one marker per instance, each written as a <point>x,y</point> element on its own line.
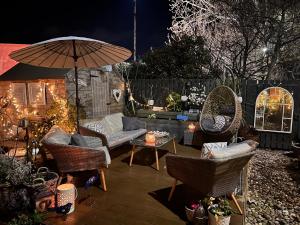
<point>56,135</point>
<point>101,126</point>
<point>115,122</point>
<point>121,137</point>
<point>93,142</point>
<point>78,140</point>
<point>132,123</point>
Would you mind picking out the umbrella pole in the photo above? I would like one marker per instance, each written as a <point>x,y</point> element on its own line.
<point>75,57</point>
<point>77,99</point>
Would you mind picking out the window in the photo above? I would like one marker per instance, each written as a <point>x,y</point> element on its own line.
<point>274,110</point>
<point>36,93</point>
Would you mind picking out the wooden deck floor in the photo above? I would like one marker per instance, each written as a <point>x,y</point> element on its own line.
<point>136,195</point>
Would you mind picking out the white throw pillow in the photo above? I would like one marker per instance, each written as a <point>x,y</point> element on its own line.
<point>232,151</point>
<point>208,148</point>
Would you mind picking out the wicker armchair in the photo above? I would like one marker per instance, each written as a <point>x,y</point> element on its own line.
<point>221,102</point>
<point>70,158</point>
<point>210,177</point>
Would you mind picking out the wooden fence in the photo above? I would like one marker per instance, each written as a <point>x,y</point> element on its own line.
<point>250,89</point>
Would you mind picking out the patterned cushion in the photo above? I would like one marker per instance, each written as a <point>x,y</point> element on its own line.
<point>220,122</point>
<point>99,126</point>
<point>209,148</point>
<point>57,135</point>
<point>232,151</point>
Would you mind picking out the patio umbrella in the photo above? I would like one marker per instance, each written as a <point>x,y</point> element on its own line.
<point>71,52</point>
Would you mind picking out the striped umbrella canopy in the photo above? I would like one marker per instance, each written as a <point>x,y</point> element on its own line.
<point>71,52</point>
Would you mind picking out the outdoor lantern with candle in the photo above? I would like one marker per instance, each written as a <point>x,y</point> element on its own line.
<point>66,193</point>
<point>191,127</point>
<point>150,138</point>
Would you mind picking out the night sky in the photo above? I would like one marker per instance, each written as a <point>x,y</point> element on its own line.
<point>31,21</point>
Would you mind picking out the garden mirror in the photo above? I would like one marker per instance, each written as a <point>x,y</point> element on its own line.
<point>274,110</point>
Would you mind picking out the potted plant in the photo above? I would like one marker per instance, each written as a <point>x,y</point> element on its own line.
<point>195,213</point>
<point>219,211</point>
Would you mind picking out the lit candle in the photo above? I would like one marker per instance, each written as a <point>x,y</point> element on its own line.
<point>191,127</point>
<point>150,138</point>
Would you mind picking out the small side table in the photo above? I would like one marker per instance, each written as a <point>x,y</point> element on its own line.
<point>188,137</point>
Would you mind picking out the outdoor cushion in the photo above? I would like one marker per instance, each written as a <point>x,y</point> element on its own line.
<point>232,151</point>
<point>227,109</point>
<point>114,121</point>
<point>102,127</point>
<point>220,122</point>
<point>124,136</point>
<point>208,148</point>
<point>93,142</point>
<point>132,123</point>
<point>78,140</point>
<point>57,135</point>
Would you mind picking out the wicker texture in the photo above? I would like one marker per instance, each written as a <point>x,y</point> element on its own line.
<point>209,177</point>
<point>222,97</point>
<point>71,158</point>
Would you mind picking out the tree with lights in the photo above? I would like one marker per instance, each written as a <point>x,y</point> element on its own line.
<point>247,38</point>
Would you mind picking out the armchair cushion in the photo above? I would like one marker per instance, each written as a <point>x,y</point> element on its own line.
<point>209,148</point>
<point>57,135</point>
<point>132,123</point>
<point>234,150</point>
<point>78,140</point>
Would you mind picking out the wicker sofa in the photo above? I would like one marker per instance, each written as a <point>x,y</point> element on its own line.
<point>110,130</point>
<point>71,158</point>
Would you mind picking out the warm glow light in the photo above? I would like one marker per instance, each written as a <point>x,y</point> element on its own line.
<point>66,193</point>
<point>191,127</point>
<point>150,138</point>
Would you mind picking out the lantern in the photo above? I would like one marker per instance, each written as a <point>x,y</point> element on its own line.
<point>150,138</point>
<point>191,127</point>
<point>151,102</point>
<point>66,193</point>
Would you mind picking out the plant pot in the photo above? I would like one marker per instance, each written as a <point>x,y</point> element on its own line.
<point>189,213</point>
<point>222,220</point>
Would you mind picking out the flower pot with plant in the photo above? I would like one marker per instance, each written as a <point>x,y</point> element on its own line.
<point>219,211</point>
<point>195,213</point>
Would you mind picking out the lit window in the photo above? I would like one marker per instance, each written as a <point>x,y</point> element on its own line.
<point>274,110</point>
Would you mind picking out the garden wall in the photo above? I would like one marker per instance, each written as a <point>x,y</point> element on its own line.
<point>95,91</point>
<point>159,89</point>
<point>273,140</point>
